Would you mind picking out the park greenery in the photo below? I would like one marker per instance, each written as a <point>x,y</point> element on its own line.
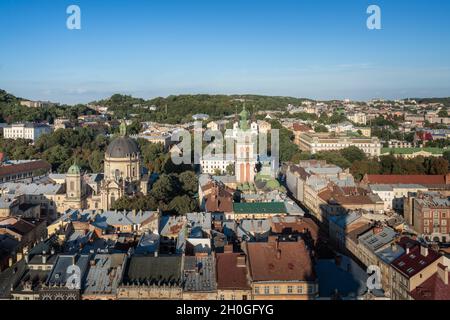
<point>359,164</point>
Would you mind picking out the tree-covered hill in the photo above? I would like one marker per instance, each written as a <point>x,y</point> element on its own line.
<point>180,108</point>
<point>11,111</point>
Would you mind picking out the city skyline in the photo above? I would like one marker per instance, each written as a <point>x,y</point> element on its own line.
<point>321,50</point>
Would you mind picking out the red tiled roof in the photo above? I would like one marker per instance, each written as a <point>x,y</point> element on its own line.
<point>301,171</point>
<point>219,200</point>
<point>346,195</point>
<point>300,127</point>
<point>229,275</point>
<point>24,167</point>
<point>404,179</point>
<point>432,289</point>
<point>300,226</point>
<point>410,264</point>
<point>280,261</point>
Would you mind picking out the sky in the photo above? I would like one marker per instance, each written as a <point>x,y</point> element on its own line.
<point>320,49</point>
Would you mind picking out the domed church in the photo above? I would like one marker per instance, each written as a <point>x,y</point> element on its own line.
<point>122,176</point>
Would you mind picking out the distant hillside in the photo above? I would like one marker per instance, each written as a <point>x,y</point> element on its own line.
<point>11,111</point>
<point>444,101</point>
<point>7,98</point>
<point>180,108</point>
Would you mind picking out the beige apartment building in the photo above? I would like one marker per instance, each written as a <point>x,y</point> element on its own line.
<point>316,142</point>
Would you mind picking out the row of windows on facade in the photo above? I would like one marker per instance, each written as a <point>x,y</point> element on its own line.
<point>435,222</point>
<point>17,176</point>
<point>290,290</point>
<point>435,214</point>
<point>442,230</point>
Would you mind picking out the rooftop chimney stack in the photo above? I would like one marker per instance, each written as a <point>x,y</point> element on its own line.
<point>424,251</point>
<point>278,254</point>
<point>241,261</point>
<point>443,273</point>
<point>228,248</point>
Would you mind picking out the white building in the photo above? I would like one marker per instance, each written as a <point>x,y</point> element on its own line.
<point>29,131</point>
<point>393,195</point>
<point>244,135</point>
<point>36,104</point>
<point>358,117</point>
<point>316,142</point>
<point>216,163</point>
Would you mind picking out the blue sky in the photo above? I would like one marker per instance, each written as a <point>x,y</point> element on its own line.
<point>318,49</point>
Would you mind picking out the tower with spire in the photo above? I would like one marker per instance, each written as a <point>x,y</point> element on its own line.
<point>246,158</point>
<point>74,188</point>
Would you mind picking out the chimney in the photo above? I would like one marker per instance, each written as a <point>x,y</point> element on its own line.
<point>10,262</point>
<point>407,250</point>
<point>424,251</point>
<point>241,261</point>
<point>377,229</point>
<point>447,178</point>
<point>278,254</point>
<point>156,254</point>
<point>443,273</point>
<point>27,258</point>
<point>228,248</point>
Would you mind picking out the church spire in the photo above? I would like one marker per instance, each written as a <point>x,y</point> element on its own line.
<point>123,129</point>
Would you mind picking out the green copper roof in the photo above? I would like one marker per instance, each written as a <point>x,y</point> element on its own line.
<point>259,208</point>
<point>436,151</point>
<point>74,169</point>
<point>123,129</point>
<point>244,115</point>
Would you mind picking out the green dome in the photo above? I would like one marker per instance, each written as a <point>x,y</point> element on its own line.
<point>244,114</point>
<point>74,169</point>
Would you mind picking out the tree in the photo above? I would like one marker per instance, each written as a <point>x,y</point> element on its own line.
<point>164,188</point>
<point>387,164</point>
<point>361,167</point>
<point>446,155</point>
<point>135,127</point>
<point>437,166</point>
<point>230,169</point>
<point>96,161</point>
<point>183,204</point>
<point>320,128</point>
<point>189,182</point>
<point>353,154</point>
<point>333,157</point>
<point>443,113</point>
